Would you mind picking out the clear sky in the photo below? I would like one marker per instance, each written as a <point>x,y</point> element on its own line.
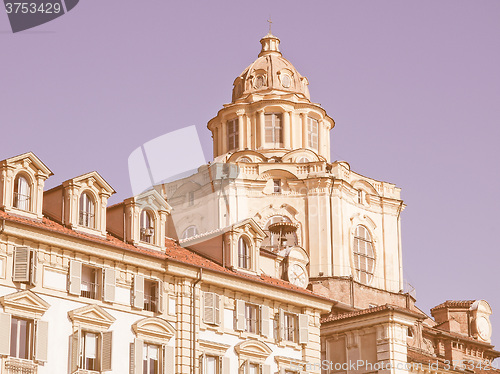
<point>414,88</point>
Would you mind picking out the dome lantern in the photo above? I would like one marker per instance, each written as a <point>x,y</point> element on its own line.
<point>270,44</point>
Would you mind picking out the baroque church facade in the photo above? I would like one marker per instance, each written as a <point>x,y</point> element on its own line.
<point>271,259</point>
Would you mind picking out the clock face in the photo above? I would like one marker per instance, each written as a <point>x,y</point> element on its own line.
<point>297,275</point>
<point>483,328</point>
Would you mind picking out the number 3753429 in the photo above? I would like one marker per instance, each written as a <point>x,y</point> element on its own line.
<point>32,8</point>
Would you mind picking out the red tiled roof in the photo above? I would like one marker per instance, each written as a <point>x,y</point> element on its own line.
<point>454,304</point>
<point>173,252</point>
<point>377,309</point>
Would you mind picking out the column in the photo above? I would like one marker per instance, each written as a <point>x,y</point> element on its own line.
<point>321,137</point>
<point>303,118</point>
<point>262,128</point>
<point>286,130</point>
<point>241,134</point>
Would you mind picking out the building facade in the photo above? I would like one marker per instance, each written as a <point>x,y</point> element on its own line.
<point>270,259</point>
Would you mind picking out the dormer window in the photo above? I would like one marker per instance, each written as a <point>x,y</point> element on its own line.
<point>312,132</point>
<point>232,134</point>
<point>22,193</point>
<point>243,254</point>
<point>274,129</point>
<point>86,210</point>
<point>147,227</point>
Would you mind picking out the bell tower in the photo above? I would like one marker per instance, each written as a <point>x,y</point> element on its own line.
<point>271,112</point>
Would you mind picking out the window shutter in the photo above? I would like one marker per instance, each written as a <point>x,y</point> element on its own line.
<point>240,315</point>
<point>264,320</point>
<point>303,328</point>
<point>75,277</point>
<point>266,369</point>
<point>136,356</point>
<point>208,309</point>
<point>217,309</point>
<point>168,360</point>
<point>281,324</point>
<point>106,349</point>
<point>21,270</point>
<point>138,292</point>
<point>41,340</point>
<point>109,285</point>
<point>33,267</point>
<point>226,365</point>
<point>75,350</point>
<point>5,334</point>
<point>159,297</point>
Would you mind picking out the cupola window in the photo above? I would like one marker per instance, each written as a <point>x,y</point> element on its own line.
<point>274,129</point>
<point>364,255</point>
<point>147,227</point>
<point>22,193</point>
<point>312,132</point>
<point>86,210</point>
<point>232,134</point>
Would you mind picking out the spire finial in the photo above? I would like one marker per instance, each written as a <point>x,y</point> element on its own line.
<point>270,23</point>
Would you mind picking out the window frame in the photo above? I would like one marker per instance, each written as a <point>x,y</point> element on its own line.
<point>27,198</point>
<point>147,226</point>
<point>95,286</point>
<point>146,363</point>
<point>86,210</point>
<point>252,321</point>
<point>273,129</point>
<point>312,133</point>
<point>83,343</point>
<point>29,338</point>
<point>233,134</point>
<point>290,329</point>
<point>151,299</point>
<point>365,274</point>
<point>244,253</point>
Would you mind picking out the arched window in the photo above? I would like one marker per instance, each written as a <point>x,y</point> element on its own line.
<point>189,232</point>
<point>147,227</point>
<point>243,254</point>
<point>303,160</point>
<point>244,159</point>
<point>22,193</point>
<point>364,255</point>
<point>86,210</point>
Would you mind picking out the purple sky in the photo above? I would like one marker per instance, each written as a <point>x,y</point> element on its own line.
<point>414,88</point>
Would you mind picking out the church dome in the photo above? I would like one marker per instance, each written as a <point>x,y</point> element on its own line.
<point>271,74</point>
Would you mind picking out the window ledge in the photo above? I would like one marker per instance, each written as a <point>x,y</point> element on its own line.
<point>27,366</point>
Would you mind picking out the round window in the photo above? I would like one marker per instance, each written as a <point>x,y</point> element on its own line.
<point>286,81</point>
<point>259,81</point>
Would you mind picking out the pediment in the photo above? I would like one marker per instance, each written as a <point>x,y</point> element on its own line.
<point>153,328</point>
<point>152,199</point>
<point>249,225</point>
<point>25,303</point>
<point>92,180</point>
<point>253,348</point>
<point>29,159</point>
<point>92,316</point>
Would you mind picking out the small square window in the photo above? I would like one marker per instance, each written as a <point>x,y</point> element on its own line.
<point>277,185</point>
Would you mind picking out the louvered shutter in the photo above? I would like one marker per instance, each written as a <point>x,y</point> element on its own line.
<point>281,324</point>
<point>168,360</point>
<point>106,349</point>
<point>208,307</point>
<point>217,309</point>
<point>75,350</point>
<point>226,365</point>
<point>41,340</point>
<point>21,270</point>
<point>109,285</point>
<point>5,320</point>
<point>33,267</point>
<point>75,277</point>
<point>240,315</point>
<point>264,320</point>
<point>159,297</point>
<point>136,356</point>
<point>303,328</point>
<point>138,292</point>
<point>266,369</point>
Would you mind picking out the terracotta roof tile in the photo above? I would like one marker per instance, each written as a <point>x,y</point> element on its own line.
<point>454,304</point>
<point>172,252</point>
<point>377,309</point>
